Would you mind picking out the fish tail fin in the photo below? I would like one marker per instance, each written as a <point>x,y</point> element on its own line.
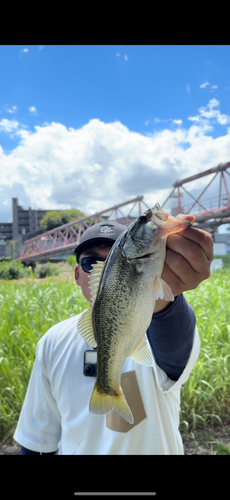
<point>102,403</point>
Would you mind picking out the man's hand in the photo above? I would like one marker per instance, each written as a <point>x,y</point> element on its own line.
<point>188,258</point>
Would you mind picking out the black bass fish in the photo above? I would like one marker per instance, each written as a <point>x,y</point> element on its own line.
<point>124,290</point>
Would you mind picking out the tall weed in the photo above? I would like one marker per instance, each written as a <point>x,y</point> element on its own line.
<point>27,311</point>
<point>206,396</point>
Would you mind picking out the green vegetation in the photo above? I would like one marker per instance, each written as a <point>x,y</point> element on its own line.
<point>12,270</point>
<point>58,218</point>
<point>48,270</point>
<point>225,259</point>
<point>72,260</point>
<point>222,449</point>
<point>27,311</point>
<point>30,308</point>
<point>206,396</point>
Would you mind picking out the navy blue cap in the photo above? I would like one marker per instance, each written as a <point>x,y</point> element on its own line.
<point>103,232</point>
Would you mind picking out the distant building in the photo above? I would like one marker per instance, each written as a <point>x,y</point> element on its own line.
<point>6,231</point>
<point>221,244</point>
<point>25,222</point>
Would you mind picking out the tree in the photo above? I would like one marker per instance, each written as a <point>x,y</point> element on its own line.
<point>56,218</point>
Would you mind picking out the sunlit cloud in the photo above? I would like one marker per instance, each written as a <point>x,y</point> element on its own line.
<point>204,85</point>
<point>102,164</point>
<point>32,109</point>
<point>13,109</point>
<point>8,125</point>
<point>23,51</point>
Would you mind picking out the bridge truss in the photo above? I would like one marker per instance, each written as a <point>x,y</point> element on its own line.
<point>209,214</point>
<point>63,239</point>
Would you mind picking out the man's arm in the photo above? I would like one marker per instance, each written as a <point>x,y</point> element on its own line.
<point>188,258</point>
<point>171,334</point>
<point>39,425</point>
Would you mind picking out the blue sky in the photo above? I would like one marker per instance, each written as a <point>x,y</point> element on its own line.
<point>88,126</point>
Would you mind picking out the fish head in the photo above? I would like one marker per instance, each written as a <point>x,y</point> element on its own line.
<point>150,231</point>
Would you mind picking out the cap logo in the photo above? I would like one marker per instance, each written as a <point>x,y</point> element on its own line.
<point>106,229</point>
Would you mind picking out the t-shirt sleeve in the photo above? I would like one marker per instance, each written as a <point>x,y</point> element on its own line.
<point>39,428</point>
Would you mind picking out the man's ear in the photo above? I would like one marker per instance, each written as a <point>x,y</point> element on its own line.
<point>77,280</point>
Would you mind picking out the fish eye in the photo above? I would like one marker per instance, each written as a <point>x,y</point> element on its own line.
<point>142,219</point>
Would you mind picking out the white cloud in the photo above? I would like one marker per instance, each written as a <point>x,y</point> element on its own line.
<point>23,51</point>
<point>32,109</point>
<point>125,58</point>
<point>204,85</point>
<point>208,115</point>
<point>188,88</point>
<point>118,54</point>
<point>159,120</point>
<point>8,125</point>
<point>178,122</point>
<point>41,47</point>
<point>13,109</point>
<point>102,164</point>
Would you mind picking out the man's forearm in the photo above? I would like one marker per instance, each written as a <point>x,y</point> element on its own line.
<point>171,336</point>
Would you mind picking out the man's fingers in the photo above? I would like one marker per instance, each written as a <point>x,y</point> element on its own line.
<point>175,283</point>
<point>202,238</point>
<point>195,246</point>
<point>180,272</point>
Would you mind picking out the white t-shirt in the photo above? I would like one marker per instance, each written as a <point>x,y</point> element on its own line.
<point>55,414</point>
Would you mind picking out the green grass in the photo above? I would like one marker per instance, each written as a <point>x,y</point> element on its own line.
<point>29,309</point>
<point>206,396</point>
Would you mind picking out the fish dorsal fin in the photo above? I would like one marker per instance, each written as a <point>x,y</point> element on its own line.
<point>94,280</point>
<point>85,323</point>
<point>161,290</point>
<point>142,353</point>
<point>85,327</point>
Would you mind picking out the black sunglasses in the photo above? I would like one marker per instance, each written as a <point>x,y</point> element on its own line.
<point>87,263</point>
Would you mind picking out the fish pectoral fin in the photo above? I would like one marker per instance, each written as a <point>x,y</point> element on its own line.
<point>102,403</point>
<point>142,354</point>
<point>95,277</point>
<point>161,290</point>
<point>85,327</point>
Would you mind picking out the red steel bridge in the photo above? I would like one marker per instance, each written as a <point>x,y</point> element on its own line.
<point>63,239</point>
<point>212,211</point>
<point>209,214</point>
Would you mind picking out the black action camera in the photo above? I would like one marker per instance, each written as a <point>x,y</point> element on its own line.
<point>90,363</point>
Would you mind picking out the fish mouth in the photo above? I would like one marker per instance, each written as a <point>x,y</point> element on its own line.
<point>168,224</point>
<point>173,225</point>
<point>145,256</point>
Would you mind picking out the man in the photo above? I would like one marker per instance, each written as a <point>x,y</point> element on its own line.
<point>55,417</point>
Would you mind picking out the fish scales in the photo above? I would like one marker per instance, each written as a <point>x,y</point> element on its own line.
<point>124,292</point>
<point>114,315</point>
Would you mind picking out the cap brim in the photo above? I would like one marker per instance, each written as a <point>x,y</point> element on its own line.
<point>91,243</point>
